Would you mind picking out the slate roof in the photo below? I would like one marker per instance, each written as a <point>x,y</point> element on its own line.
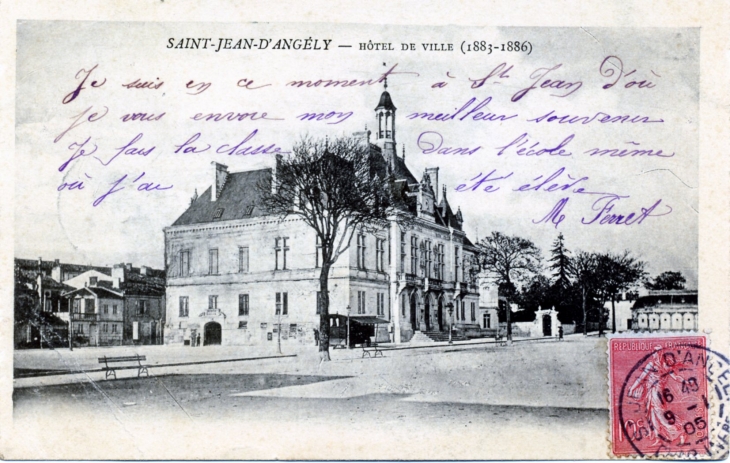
<point>151,285</point>
<point>386,102</point>
<point>31,265</point>
<point>238,194</point>
<point>51,285</point>
<point>671,298</point>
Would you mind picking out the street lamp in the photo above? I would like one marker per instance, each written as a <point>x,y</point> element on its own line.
<point>278,339</point>
<point>450,308</point>
<point>349,309</point>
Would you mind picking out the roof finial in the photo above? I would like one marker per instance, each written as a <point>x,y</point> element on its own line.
<point>326,142</point>
<point>404,152</point>
<point>385,83</point>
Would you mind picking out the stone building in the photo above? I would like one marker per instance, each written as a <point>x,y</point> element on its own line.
<point>665,310</point>
<point>141,310</point>
<point>101,305</point>
<point>235,274</point>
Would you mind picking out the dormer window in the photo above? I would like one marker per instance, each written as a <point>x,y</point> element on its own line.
<point>247,211</point>
<point>93,281</point>
<point>218,213</point>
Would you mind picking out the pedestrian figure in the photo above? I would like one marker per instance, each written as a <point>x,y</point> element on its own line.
<point>560,333</point>
<point>316,337</point>
<point>198,342</point>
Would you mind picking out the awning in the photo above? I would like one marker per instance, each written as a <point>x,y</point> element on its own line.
<point>369,320</point>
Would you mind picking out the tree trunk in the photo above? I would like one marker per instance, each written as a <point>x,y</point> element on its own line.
<point>585,314</point>
<point>324,322</point>
<point>509,325</point>
<point>613,315</point>
<point>600,317</point>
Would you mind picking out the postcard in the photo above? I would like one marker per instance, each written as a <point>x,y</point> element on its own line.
<point>355,240</point>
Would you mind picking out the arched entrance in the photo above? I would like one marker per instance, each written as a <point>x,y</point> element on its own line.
<point>427,312</point>
<point>547,325</point>
<point>414,320</point>
<point>212,334</point>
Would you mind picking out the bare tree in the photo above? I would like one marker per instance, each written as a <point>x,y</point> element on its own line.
<point>508,259</point>
<point>336,187</point>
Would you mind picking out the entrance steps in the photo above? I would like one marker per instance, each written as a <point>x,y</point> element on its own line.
<point>429,337</point>
<point>420,338</point>
<point>443,336</point>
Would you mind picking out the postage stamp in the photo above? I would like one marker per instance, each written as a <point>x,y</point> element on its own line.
<point>661,395</point>
<point>275,239</point>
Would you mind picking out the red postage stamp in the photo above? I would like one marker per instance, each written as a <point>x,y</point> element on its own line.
<point>658,391</point>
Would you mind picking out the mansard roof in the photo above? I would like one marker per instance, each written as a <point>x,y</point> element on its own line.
<point>239,199</point>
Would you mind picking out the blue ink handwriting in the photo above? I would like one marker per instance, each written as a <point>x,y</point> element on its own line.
<point>143,186</point>
<point>480,180</point>
<point>523,139</point>
<point>620,153</point>
<point>605,215</point>
<point>94,83</point>
<point>566,88</point>
<point>612,65</point>
<point>338,117</point>
<point>79,150</point>
<point>93,117</point>
<point>474,112</point>
<point>554,216</point>
<point>128,150</point>
<point>432,142</point>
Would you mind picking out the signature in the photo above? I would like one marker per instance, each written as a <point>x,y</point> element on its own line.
<point>606,215</point>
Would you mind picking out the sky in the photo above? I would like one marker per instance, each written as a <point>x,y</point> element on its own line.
<point>651,75</point>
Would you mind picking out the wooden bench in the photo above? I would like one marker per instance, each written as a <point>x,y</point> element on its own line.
<point>112,371</point>
<point>371,351</point>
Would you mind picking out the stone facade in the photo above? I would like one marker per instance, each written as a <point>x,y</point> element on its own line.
<point>231,268</point>
<point>670,310</point>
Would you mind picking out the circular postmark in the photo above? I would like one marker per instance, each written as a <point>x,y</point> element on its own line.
<point>672,400</point>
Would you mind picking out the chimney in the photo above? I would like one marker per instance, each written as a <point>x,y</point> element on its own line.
<point>128,267</point>
<point>194,198</point>
<point>220,175</point>
<point>279,157</point>
<point>40,265</point>
<point>143,270</point>
<point>118,272</point>
<point>433,173</point>
<point>115,283</point>
<point>56,271</point>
